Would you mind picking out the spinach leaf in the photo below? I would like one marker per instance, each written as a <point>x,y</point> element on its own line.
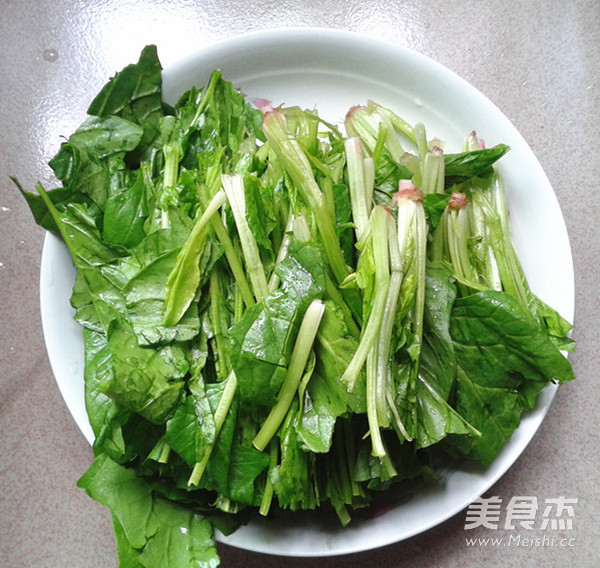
<point>151,532</point>
<point>234,464</point>
<point>92,159</point>
<point>436,380</point>
<point>504,359</point>
<point>105,415</point>
<point>80,233</point>
<point>127,496</point>
<point>145,295</point>
<point>465,165</point>
<point>182,539</point>
<point>335,348</point>
<point>261,341</point>
<point>292,478</point>
<point>135,94</point>
<point>147,381</point>
<point>191,429</point>
<point>434,205</point>
<point>125,215</point>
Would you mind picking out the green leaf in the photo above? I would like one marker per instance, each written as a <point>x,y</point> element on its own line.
<point>464,165</point>
<point>81,301</point>
<point>59,197</point>
<point>247,463</point>
<point>145,295</point>
<point>319,414</point>
<point>125,215</point>
<point>80,233</point>
<point>558,328</point>
<point>504,359</point>
<point>106,136</point>
<point>97,371</point>
<point>182,539</point>
<point>135,94</point>
<point>194,261</point>
<point>437,363</point>
<point>434,205</point>
<point>128,498</point>
<point>292,479</point>
<point>151,532</point>
<point>262,340</point>
<point>92,159</point>
<point>335,348</point>
<point>128,555</point>
<point>191,429</point>
<point>146,380</point>
<point>436,418</point>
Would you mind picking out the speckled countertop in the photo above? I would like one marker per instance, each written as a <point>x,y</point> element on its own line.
<point>537,61</point>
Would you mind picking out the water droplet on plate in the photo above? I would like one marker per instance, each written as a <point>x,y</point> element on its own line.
<point>50,54</point>
<point>4,209</point>
<point>418,102</point>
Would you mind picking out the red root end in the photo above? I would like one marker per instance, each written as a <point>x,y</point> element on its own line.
<point>385,208</point>
<point>480,142</point>
<point>352,110</point>
<point>457,201</point>
<point>270,112</point>
<point>263,104</point>
<point>407,190</point>
<point>436,146</point>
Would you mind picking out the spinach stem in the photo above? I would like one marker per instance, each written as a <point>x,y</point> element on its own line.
<point>267,497</point>
<point>433,171</point>
<point>302,348</point>
<point>387,324</point>
<point>174,306</point>
<point>298,168</point>
<point>379,238</point>
<point>357,182</point>
<point>233,185</point>
<point>281,253</point>
<point>233,259</point>
<point>216,305</point>
<point>219,418</point>
<point>372,406</point>
<point>165,452</point>
<point>171,172</point>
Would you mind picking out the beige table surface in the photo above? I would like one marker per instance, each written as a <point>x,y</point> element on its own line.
<point>537,61</point>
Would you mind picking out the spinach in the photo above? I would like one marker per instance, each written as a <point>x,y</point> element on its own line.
<point>135,94</point>
<point>504,359</point>
<point>278,315</point>
<point>150,531</point>
<point>466,165</point>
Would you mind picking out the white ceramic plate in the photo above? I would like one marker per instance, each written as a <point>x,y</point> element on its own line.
<point>331,71</point>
